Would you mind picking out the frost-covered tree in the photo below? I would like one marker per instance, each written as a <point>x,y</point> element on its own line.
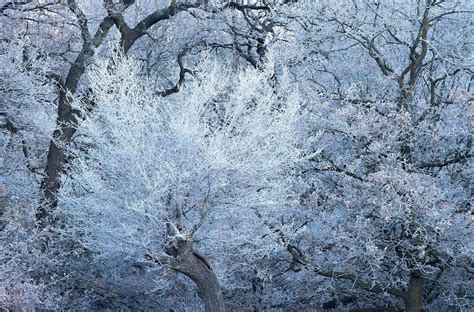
<point>358,196</point>
<point>386,224</point>
<point>26,97</point>
<point>391,189</point>
<point>167,35</point>
<point>26,120</point>
<point>155,179</point>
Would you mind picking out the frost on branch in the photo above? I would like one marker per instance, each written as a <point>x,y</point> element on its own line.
<point>25,125</point>
<point>211,162</point>
<point>383,218</point>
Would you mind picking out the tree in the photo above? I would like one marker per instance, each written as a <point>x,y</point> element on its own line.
<point>389,187</point>
<point>357,198</point>
<point>26,101</point>
<point>79,31</point>
<point>151,174</point>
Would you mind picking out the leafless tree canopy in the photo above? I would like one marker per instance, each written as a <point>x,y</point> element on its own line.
<point>247,155</point>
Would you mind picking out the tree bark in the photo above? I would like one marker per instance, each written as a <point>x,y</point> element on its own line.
<point>414,300</point>
<point>182,258</point>
<point>64,124</point>
<point>208,286</point>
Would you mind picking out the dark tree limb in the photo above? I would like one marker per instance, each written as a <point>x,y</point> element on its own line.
<point>67,117</point>
<point>440,164</point>
<point>182,258</point>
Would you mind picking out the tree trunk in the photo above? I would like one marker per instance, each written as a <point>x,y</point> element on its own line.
<point>64,130</point>
<point>182,258</point>
<point>55,161</point>
<point>206,281</point>
<point>415,293</point>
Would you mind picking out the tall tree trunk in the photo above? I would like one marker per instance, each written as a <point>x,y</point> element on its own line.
<point>414,300</point>
<point>182,258</point>
<point>64,129</point>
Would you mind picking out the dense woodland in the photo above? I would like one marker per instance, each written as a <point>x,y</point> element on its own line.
<point>219,155</point>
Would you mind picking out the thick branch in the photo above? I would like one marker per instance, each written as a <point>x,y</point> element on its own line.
<point>440,164</point>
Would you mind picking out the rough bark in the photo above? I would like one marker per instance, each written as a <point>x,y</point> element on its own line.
<point>414,299</point>
<point>66,117</point>
<point>182,258</point>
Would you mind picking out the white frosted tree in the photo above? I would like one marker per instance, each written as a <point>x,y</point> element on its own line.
<point>386,224</point>
<point>359,198</point>
<point>389,83</point>
<point>26,119</point>
<point>215,161</point>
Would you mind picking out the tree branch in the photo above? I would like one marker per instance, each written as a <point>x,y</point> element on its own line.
<point>440,164</point>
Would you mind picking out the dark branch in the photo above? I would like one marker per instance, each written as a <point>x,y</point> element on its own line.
<point>440,164</point>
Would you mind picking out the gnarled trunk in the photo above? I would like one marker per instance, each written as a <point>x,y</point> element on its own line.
<point>206,281</point>
<point>414,300</point>
<point>182,258</point>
